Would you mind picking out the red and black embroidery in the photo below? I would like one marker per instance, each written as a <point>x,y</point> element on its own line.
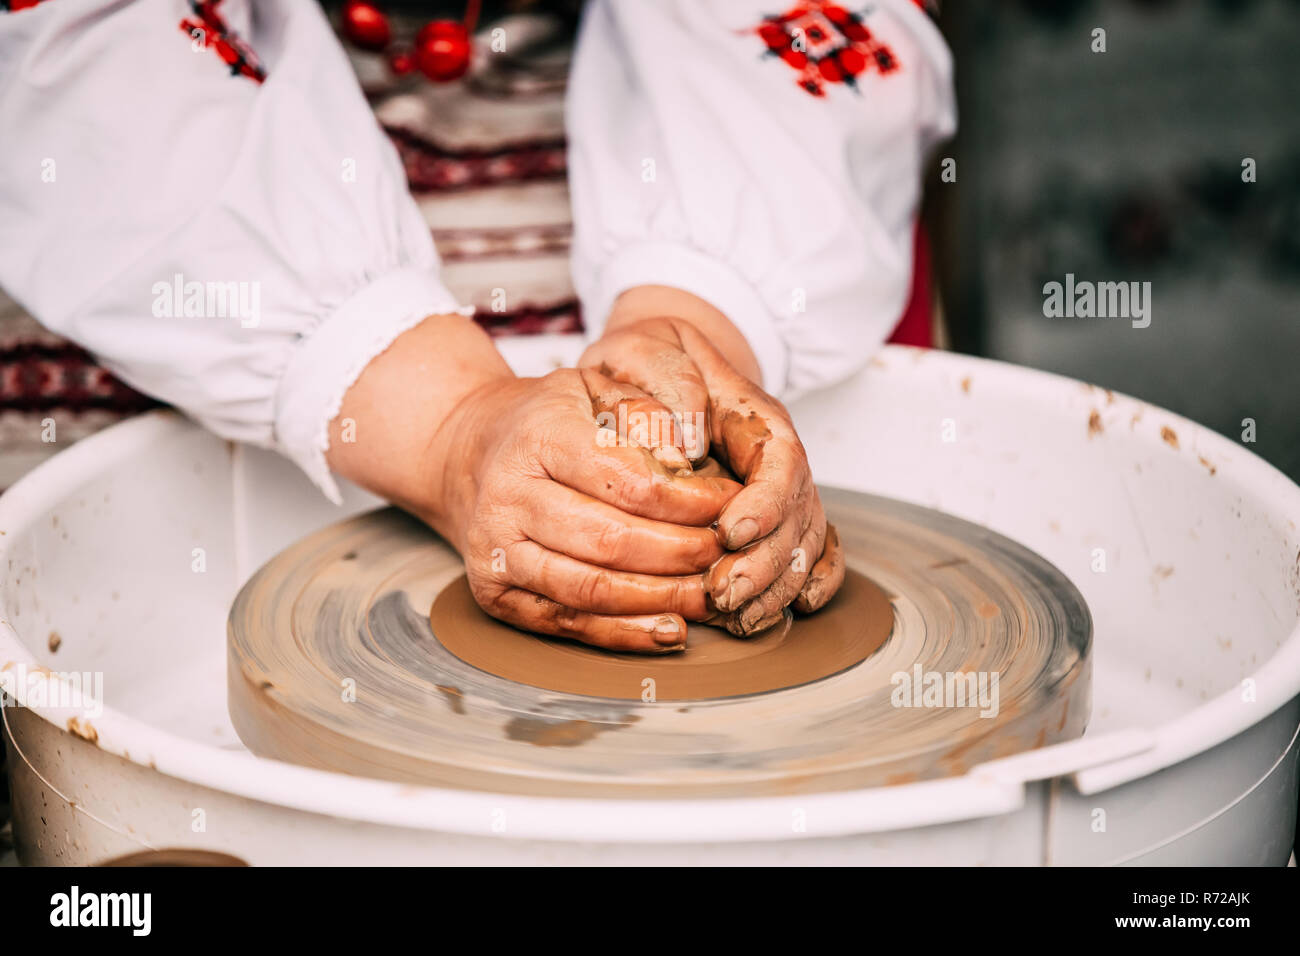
<point>825,43</point>
<point>208,27</point>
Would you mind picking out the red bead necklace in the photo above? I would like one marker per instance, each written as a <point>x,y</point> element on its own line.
<point>442,48</point>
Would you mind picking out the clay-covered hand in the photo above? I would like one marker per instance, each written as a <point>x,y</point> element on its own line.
<point>569,529</point>
<point>781,551</point>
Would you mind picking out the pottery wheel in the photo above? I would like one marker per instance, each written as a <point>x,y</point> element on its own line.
<point>359,649</point>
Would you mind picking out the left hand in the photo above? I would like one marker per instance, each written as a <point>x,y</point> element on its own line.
<point>780,548</point>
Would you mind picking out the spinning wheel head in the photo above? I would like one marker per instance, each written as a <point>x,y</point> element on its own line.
<point>715,665</point>
<point>360,649</point>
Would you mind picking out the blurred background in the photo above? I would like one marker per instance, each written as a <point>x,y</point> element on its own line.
<point>1127,165</point>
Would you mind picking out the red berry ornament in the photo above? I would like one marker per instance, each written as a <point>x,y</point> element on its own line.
<point>401,62</point>
<point>365,25</point>
<point>442,50</point>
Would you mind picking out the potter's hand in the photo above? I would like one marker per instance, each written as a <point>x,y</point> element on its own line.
<point>562,532</point>
<point>564,535</point>
<point>780,548</point>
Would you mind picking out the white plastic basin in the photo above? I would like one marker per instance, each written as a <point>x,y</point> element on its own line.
<point>1190,757</point>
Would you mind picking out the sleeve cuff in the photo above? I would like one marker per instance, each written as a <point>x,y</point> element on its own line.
<point>688,269</point>
<point>327,361</point>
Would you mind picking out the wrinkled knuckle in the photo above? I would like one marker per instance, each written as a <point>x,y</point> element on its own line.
<point>778,601</point>
<point>776,561</point>
<point>704,550</point>
<point>565,620</point>
<point>770,502</point>
<point>593,589</point>
<point>478,538</point>
<point>784,591</point>
<point>486,591</point>
<point>612,542</point>
<point>639,493</point>
<point>681,594</point>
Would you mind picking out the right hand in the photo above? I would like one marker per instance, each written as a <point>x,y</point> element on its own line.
<point>780,548</point>
<point>563,534</point>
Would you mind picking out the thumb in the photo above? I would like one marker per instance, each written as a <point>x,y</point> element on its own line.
<point>661,369</point>
<point>638,419</point>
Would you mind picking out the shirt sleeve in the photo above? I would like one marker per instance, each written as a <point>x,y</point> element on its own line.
<point>769,164</point>
<point>200,195</point>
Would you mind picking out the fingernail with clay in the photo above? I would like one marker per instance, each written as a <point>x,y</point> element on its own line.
<point>752,618</point>
<point>812,590</point>
<point>740,591</point>
<point>666,631</point>
<point>673,459</point>
<point>752,628</point>
<point>742,532</point>
<point>691,441</point>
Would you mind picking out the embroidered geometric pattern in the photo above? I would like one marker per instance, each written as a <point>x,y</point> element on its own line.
<point>208,29</point>
<point>825,43</point>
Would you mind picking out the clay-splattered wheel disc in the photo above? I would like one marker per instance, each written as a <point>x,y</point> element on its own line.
<point>333,663</point>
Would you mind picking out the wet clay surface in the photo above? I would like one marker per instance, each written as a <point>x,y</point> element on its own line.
<point>856,622</point>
